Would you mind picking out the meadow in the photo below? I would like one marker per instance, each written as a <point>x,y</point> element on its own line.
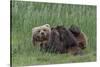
<point>26,15</point>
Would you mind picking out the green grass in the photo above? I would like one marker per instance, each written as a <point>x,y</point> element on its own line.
<point>26,15</point>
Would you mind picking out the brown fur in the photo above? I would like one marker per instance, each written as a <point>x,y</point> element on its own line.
<point>40,34</point>
<point>62,41</point>
<point>79,35</point>
<point>82,40</point>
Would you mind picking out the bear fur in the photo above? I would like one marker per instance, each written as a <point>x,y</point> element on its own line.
<point>40,34</point>
<point>62,41</point>
<point>59,39</point>
<point>79,35</point>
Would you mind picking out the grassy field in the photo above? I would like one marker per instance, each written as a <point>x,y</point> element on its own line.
<point>26,15</point>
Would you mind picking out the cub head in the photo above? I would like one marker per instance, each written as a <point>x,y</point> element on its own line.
<point>75,30</point>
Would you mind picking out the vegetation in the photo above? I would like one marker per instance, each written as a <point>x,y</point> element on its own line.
<point>26,15</point>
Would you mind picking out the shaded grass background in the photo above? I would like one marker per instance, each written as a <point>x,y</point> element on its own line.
<point>26,15</point>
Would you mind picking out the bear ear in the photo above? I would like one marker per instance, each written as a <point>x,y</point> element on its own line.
<point>47,25</point>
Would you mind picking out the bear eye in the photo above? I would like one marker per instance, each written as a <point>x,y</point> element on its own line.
<point>38,30</point>
<point>44,29</point>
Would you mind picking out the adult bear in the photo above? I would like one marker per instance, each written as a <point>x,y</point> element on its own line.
<point>62,41</point>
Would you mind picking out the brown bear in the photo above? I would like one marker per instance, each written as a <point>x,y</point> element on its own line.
<point>62,41</point>
<point>79,35</point>
<point>41,34</point>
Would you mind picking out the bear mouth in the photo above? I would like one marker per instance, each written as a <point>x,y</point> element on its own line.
<point>42,38</point>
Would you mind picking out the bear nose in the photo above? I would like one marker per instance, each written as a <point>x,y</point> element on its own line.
<point>38,37</point>
<point>42,33</point>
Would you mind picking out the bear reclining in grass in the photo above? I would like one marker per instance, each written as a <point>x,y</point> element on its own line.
<point>59,39</point>
<point>62,41</point>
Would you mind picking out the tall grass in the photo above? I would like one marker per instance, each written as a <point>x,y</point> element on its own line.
<point>26,15</point>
